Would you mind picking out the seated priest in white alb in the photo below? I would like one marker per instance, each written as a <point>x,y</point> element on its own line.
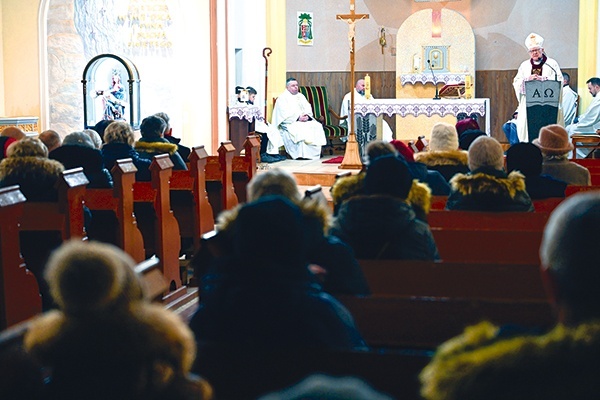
<point>359,97</point>
<point>302,135</point>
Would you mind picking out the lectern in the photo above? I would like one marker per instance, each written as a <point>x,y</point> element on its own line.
<point>542,105</point>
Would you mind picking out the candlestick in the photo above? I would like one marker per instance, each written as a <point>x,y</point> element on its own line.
<point>367,86</point>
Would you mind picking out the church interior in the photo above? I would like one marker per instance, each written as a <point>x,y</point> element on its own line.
<point>69,64</point>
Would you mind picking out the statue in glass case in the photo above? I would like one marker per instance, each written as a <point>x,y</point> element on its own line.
<point>113,99</point>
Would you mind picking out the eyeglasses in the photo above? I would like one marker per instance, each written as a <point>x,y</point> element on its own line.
<point>535,51</point>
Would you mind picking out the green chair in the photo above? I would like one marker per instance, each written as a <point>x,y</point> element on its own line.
<point>317,97</point>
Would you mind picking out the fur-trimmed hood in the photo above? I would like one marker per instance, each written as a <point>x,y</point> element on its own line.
<point>487,189</point>
<point>562,364</point>
<point>445,157</point>
<point>36,176</point>
<point>484,181</point>
<point>315,214</point>
<point>155,147</point>
<point>347,187</point>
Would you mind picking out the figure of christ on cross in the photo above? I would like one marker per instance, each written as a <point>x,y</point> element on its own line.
<point>351,155</point>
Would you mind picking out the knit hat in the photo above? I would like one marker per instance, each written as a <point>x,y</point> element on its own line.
<point>443,137</point>
<point>553,139</point>
<point>486,152</point>
<point>525,158</point>
<point>534,41</point>
<point>466,124</point>
<point>388,175</point>
<point>404,150</point>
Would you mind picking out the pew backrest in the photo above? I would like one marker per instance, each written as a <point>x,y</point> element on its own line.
<point>119,199</point>
<point>426,322</point>
<point>457,280</point>
<point>19,292</point>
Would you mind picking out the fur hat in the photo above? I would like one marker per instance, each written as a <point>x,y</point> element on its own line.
<point>91,277</point>
<point>105,337</point>
<point>443,137</point>
<point>28,147</point>
<point>534,41</point>
<point>486,152</point>
<point>388,175</point>
<point>553,139</point>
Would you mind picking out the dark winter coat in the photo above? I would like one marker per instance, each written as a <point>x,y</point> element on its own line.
<point>73,156</point>
<point>383,227</point>
<point>343,276</point>
<point>111,152</point>
<point>447,162</point>
<point>183,151</point>
<point>488,189</point>
<point>272,306</point>
<point>150,147</point>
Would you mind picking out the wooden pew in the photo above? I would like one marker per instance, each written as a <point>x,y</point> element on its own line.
<point>493,237</point>
<point>547,205</point>
<point>244,167</point>
<point>426,322</point>
<point>219,179</point>
<point>164,241</point>
<point>438,202</point>
<point>19,292</point>
<point>119,199</point>
<point>194,214</point>
<point>457,280</point>
<point>237,372</point>
<point>22,377</point>
<point>572,189</point>
<point>65,215</point>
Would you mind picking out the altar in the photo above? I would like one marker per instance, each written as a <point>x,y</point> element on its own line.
<point>419,114</point>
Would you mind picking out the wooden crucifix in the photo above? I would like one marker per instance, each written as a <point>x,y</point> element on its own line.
<point>351,155</point>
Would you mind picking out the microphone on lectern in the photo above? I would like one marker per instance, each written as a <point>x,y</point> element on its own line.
<point>555,73</point>
<point>437,96</point>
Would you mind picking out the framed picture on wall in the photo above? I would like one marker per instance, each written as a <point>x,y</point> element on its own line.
<point>305,28</point>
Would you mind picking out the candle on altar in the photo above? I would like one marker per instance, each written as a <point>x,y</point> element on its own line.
<point>367,86</point>
<point>468,87</point>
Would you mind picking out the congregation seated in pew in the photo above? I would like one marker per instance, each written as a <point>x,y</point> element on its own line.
<point>153,142</point>
<point>527,159</point>
<point>28,166</point>
<point>381,224</point>
<point>443,154</point>
<point>338,270</point>
<point>487,187</point>
<point>118,144</point>
<point>554,143</point>
<point>105,340</point>
<point>488,362</point>
<point>263,296</point>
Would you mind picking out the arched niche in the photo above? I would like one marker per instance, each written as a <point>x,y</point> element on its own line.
<point>102,98</point>
<point>423,36</point>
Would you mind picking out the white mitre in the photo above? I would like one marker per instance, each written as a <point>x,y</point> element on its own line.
<point>534,41</point>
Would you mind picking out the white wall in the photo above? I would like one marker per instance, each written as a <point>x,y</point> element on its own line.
<point>500,29</point>
<point>247,29</point>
